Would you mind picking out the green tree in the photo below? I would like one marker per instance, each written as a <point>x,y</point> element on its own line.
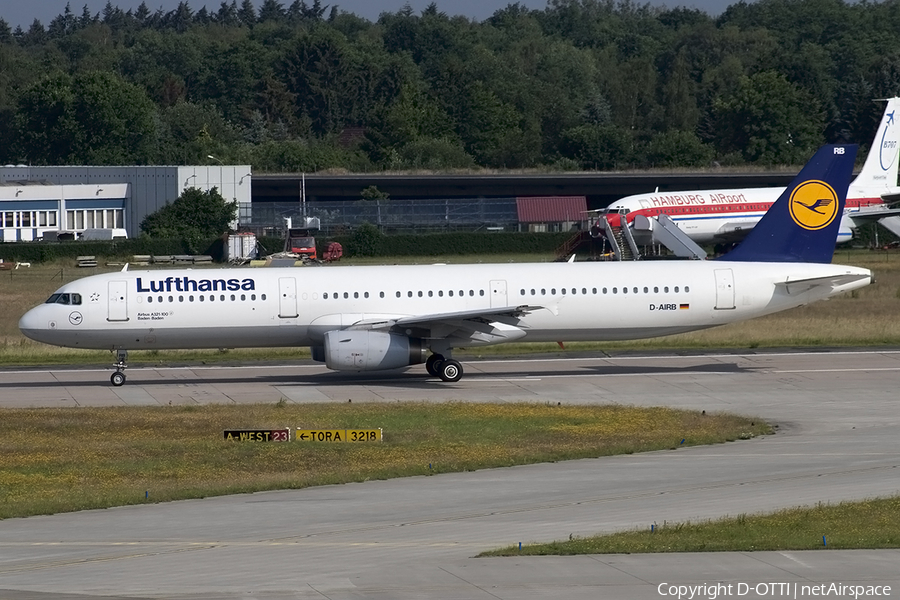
<point>93,118</point>
<point>271,10</point>
<point>195,216</point>
<point>597,146</point>
<point>490,129</point>
<point>247,13</point>
<point>6,36</point>
<point>769,120</point>
<point>434,154</point>
<point>366,240</point>
<point>678,149</point>
<point>189,132</point>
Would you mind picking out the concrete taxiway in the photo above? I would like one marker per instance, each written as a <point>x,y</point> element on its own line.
<point>414,538</point>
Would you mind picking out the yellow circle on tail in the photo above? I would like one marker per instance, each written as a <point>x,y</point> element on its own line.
<point>814,204</point>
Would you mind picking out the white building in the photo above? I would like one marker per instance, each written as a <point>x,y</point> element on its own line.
<point>36,200</point>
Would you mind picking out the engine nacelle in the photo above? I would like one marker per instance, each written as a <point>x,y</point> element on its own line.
<point>348,350</point>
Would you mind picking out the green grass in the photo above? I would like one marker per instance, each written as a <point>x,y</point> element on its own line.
<point>847,525</point>
<point>57,460</point>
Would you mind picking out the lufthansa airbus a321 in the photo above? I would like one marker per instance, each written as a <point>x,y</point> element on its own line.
<point>386,317</point>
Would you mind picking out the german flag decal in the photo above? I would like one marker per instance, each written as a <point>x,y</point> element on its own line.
<point>684,306</point>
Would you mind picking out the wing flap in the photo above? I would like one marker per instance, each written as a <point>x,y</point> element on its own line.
<point>479,326</point>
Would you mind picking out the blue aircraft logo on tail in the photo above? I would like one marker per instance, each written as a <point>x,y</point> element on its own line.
<point>802,225</point>
<point>890,145</point>
<point>814,205</point>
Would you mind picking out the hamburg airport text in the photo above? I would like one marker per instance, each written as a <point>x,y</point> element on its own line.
<point>186,284</point>
<point>687,199</point>
<point>711,591</point>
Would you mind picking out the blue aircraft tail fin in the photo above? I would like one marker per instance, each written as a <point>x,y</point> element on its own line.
<point>802,225</point>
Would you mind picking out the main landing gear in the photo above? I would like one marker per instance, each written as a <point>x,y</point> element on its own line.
<point>446,368</point>
<point>118,378</point>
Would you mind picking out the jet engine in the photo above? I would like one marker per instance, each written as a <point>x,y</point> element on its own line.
<point>349,350</point>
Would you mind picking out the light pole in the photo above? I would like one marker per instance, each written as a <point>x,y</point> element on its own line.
<point>215,159</point>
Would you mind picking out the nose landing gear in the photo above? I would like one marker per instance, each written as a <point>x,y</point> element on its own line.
<point>118,378</point>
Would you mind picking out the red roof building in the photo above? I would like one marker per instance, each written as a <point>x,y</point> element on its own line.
<point>560,213</point>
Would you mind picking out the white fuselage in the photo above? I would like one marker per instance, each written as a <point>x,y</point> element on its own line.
<point>228,308</point>
<point>712,216</point>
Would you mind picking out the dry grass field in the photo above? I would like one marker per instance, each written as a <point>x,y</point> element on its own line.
<point>863,318</point>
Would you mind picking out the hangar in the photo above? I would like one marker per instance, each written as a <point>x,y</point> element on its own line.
<point>39,200</point>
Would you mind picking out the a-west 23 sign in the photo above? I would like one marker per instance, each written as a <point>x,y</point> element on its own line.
<point>258,435</point>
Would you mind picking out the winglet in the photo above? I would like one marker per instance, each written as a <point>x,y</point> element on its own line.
<point>802,225</point>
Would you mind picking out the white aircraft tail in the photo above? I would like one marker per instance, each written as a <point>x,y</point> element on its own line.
<point>879,174</point>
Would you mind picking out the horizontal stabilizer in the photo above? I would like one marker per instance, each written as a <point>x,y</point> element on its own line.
<point>831,282</point>
<point>864,216</point>
<point>892,224</point>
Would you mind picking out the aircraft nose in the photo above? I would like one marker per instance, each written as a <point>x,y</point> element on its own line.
<point>35,325</point>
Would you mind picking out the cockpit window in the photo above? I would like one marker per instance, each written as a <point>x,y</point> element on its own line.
<point>64,299</point>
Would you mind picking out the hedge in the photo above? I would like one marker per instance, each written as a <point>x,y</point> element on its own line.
<point>36,252</point>
<point>432,244</point>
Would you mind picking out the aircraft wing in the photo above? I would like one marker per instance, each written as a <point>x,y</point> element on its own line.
<point>486,325</point>
<point>800,286</point>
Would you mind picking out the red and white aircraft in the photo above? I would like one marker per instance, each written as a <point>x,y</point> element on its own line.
<point>724,216</point>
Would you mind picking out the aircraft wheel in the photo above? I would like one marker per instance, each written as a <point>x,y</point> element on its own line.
<point>450,370</point>
<point>433,364</point>
<point>117,378</point>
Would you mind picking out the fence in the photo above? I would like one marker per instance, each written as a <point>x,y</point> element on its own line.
<point>393,216</point>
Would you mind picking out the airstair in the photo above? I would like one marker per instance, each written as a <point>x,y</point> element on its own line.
<point>620,239</point>
<point>667,233</point>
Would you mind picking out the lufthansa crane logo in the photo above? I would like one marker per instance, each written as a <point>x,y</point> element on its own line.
<point>814,205</point>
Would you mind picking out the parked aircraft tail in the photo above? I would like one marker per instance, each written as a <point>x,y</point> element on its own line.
<point>879,173</point>
<point>803,223</point>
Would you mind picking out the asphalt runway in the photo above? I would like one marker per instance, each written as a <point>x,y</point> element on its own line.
<point>837,414</point>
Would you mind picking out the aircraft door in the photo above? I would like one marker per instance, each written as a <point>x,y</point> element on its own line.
<point>498,293</point>
<point>287,297</point>
<point>724,289</point>
<point>118,301</point>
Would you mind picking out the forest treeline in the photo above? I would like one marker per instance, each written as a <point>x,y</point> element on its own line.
<point>581,84</point>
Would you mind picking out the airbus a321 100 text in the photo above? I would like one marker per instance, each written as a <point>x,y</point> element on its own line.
<point>388,317</point>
